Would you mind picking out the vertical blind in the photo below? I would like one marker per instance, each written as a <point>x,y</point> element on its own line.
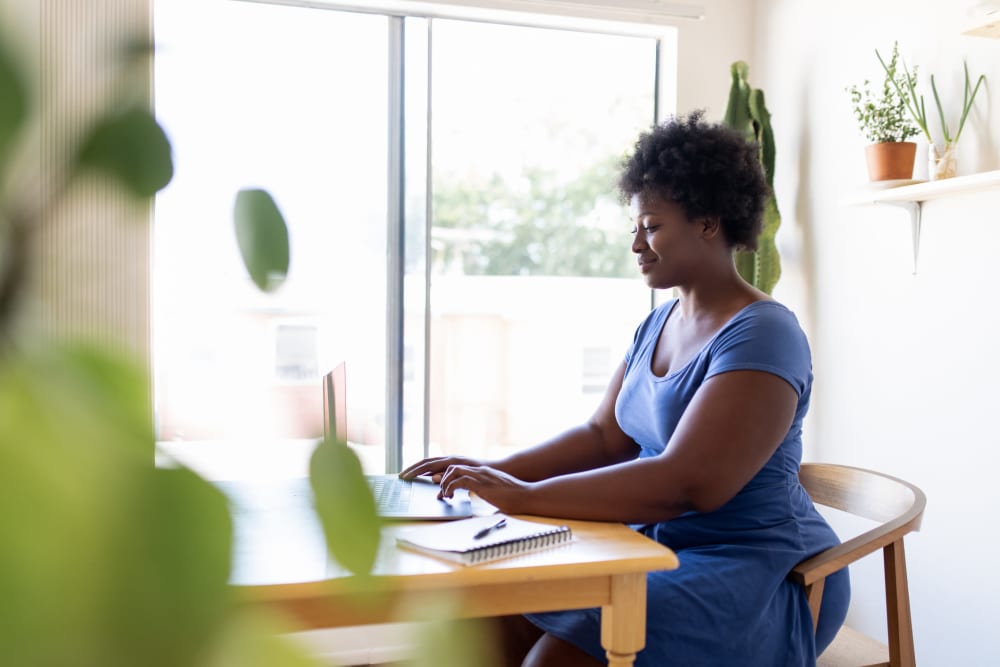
<point>92,253</point>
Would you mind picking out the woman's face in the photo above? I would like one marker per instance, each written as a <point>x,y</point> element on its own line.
<point>667,244</point>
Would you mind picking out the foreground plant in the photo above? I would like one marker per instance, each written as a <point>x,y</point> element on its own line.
<point>108,559</point>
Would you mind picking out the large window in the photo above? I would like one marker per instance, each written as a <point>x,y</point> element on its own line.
<point>480,156</point>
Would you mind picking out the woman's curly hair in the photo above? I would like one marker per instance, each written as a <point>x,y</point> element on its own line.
<point>709,169</point>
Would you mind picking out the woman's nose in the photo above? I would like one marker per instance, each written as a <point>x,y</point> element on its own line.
<point>639,241</point>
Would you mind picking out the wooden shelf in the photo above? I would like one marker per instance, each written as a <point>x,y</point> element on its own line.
<point>927,190</point>
<point>912,196</point>
<point>987,25</point>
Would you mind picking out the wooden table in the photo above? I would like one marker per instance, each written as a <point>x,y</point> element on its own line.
<point>604,566</point>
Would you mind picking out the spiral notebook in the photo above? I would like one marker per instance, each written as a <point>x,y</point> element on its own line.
<point>457,540</point>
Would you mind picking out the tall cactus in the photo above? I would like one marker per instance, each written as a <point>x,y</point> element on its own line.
<point>746,111</point>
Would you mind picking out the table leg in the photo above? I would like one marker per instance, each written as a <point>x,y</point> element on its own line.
<point>623,622</point>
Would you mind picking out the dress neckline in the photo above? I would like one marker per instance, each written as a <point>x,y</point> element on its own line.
<point>701,350</point>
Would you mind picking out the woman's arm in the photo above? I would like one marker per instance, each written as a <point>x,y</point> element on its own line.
<point>730,429</point>
<point>598,442</point>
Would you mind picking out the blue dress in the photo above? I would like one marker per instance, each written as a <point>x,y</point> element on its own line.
<point>729,602</point>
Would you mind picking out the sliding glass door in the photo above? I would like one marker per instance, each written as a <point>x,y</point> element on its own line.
<point>534,292</point>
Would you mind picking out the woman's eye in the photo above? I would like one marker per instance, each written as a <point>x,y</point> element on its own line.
<point>645,228</point>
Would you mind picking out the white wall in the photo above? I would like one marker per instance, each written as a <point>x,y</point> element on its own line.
<point>705,50</point>
<point>906,365</point>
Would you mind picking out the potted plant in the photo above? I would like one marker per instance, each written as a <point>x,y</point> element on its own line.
<point>941,161</point>
<point>886,122</point>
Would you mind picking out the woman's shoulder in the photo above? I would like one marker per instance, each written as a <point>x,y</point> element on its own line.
<point>765,335</point>
<point>767,313</point>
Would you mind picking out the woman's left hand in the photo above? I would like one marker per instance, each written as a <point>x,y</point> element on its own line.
<point>503,491</point>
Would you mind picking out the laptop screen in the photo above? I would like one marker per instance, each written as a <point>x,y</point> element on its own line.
<point>335,403</point>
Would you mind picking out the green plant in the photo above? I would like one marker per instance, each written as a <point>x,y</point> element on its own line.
<point>108,559</point>
<point>884,118</point>
<point>746,111</point>
<point>915,102</point>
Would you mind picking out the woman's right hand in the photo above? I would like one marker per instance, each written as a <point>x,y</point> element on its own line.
<point>436,467</point>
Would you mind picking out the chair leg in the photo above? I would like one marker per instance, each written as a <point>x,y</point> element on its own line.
<point>814,594</point>
<point>897,599</point>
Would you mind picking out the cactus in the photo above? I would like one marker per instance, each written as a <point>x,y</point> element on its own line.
<point>746,111</point>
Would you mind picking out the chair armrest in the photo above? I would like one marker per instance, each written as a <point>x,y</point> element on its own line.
<point>835,558</point>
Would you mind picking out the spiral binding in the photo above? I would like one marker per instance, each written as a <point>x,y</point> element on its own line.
<point>555,536</point>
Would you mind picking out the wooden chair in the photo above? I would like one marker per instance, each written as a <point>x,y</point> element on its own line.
<point>898,506</point>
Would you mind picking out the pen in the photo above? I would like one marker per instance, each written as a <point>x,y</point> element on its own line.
<point>489,529</point>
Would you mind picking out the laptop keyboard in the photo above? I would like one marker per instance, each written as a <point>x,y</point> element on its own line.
<point>391,494</point>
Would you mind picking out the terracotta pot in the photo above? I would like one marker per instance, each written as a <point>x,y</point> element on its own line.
<point>891,160</point>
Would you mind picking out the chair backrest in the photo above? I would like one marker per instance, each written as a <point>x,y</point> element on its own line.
<point>898,506</point>
<point>865,493</point>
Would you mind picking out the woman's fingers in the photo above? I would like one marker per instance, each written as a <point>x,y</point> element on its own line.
<point>456,472</point>
<point>470,478</point>
<point>506,493</point>
<point>436,467</point>
<point>433,466</point>
<point>449,480</point>
<point>412,471</point>
<point>486,482</point>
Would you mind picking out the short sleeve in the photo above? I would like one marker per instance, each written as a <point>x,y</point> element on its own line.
<point>764,337</point>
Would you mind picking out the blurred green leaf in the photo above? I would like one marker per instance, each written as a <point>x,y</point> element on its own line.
<point>13,99</point>
<point>67,447</point>
<point>169,562</point>
<point>251,640</point>
<point>263,238</point>
<point>345,506</point>
<point>106,559</point>
<point>51,500</point>
<point>137,50</point>
<point>443,641</point>
<point>132,147</point>
<point>112,388</point>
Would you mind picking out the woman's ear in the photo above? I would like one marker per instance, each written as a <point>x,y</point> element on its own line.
<point>710,227</point>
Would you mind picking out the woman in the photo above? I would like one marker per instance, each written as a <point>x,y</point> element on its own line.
<point>697,441</point>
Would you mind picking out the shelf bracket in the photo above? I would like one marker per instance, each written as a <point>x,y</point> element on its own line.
<point>915,209</point>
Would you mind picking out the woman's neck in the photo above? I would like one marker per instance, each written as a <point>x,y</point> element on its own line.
<point>717,294</point>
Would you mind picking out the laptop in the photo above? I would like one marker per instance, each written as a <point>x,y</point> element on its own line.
<point>395,498</point>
